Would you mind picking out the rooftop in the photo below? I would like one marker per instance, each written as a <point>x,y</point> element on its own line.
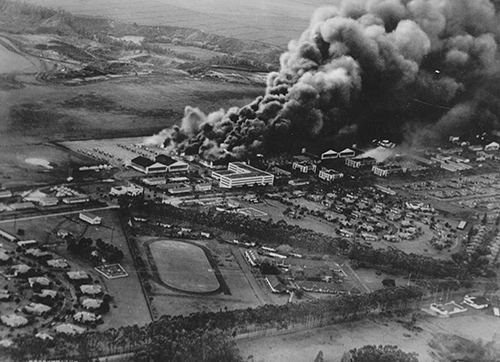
<point>165,160</point>
<point>243,172</point>
<point>142,161</point>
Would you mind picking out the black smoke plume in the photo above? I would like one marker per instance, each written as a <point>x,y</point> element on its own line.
<point>418,69</point>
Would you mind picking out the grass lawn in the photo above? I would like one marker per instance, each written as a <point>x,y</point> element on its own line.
<point>183,266</point>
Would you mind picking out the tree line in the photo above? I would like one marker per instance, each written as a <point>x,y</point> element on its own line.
<point>271,233</point>
<point>206,336</point>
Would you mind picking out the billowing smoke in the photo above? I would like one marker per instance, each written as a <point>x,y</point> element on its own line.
<point>365,69</point>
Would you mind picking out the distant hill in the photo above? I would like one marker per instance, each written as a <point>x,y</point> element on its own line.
<point>17,17</point>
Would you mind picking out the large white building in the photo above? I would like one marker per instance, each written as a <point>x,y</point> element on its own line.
<point>240,174</point>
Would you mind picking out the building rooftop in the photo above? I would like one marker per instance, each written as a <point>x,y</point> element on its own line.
<point>243,172</point>
<point>330,171</point>
<point>142,161</point>
<point>165,160</point>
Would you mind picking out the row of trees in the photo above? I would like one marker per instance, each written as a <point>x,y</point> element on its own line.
<point>379,354</point>
<point>390,260</point>
<point>204,336</point>
<point>394,261</point>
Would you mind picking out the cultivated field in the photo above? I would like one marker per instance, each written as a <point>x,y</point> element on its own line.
<point>183,266</point>
<point>274,22</point>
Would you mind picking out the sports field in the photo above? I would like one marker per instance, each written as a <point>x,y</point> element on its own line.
<point>183,266</point>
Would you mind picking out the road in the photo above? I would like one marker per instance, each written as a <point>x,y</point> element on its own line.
<point>109,207</point>
<point>261,296</point>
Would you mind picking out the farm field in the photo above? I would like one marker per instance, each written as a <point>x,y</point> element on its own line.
<point>333,341</point>
<point>128,304</point>
<point>183,266</point>
<point>273,22</point>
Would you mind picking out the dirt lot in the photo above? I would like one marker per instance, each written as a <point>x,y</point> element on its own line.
<point>126,292</point>
<point>335,340</point>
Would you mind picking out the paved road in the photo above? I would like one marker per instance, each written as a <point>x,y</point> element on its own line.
<point>247,271</point>
<point>58,214</point>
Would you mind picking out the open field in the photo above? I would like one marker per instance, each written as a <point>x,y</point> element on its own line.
<point>12,62</point>
<point>243,288</point>
<point>183,266</point>
<point>273,22</point>
<point>35,114</point>
<point>337,339</point>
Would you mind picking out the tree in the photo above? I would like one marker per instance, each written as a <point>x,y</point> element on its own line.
<point>379,354</point>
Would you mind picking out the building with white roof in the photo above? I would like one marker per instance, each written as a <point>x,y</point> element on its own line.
<point>329,155</point>
<point>90,218</point>
<point>241,174</point>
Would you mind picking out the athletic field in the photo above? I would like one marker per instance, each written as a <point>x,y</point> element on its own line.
<point>183,266</point>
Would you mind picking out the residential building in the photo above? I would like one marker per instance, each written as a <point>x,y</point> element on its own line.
<point>90,218</point>
<point>475,148</point>
<point>240,174</point>
<point>386,170</point>
<point>203,186</point>
<point>493,146</point>
<point>358,162</point>
<point>304,166</point>
<point>75,200</point>
<point>330,175</point>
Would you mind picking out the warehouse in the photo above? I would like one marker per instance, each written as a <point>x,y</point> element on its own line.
<point>240,174</point>
<point>347,153</point>
<point>147,166</point>
<point>172,165</point>
<point>329,155</point>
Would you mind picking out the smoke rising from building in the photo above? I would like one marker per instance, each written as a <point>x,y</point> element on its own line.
<point>413,70</point>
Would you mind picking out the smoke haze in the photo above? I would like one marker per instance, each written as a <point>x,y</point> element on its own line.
<point>411,70</point>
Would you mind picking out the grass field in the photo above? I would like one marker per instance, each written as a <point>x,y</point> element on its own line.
<point>333,341</point>
<point>274,22</point>
<point>184,266</point>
